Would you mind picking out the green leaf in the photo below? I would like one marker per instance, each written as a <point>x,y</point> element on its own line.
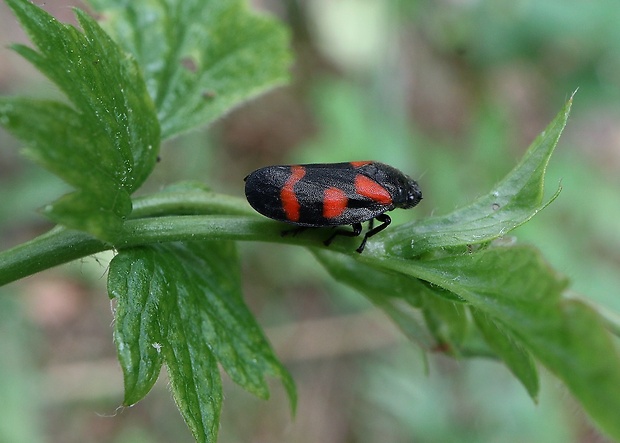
<point>409,303</point>
<point>139,329</point>
<point>516,356</point>
<point>516,199</point>
<point>517,301</point>
<point>402,298</point>
<point>105,141</point>
<point>180,303</point>
<point>394,293</point>
<point>200,57</point>
<point>514,287</point>
<point>447,321</point>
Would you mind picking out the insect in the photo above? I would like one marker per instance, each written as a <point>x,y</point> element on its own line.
<point>332,194</point>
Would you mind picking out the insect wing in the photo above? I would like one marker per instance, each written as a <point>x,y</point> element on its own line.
<point>329,196</point>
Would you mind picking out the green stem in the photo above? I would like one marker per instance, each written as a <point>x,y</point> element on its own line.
<point>189,202</point>
<point>51,249</point>
<point>196,228</point>
<point>61,245</point>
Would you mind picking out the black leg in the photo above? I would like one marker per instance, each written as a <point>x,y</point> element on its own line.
<point>385,219</point>
<point>357,230</point>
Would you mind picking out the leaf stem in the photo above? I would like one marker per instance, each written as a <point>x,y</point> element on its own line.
<point>55,247</point>
<point>197,227</point>
<point>193,201</point>
<point>61,245</point>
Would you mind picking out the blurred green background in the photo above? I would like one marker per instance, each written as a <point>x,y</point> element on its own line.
<point>450,91</point>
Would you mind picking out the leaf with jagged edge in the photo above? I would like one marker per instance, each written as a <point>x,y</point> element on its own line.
<point>513,201</point>
<point>516,288</point>
<point>201,58</point>
<point>104,141</point>
<point>180,304</point>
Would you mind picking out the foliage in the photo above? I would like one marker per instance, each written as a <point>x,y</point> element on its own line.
<point>176,279</point>
<point>181,303</point>
<point>115,130</point>
<point>214,55</point>
<point>113,123</point>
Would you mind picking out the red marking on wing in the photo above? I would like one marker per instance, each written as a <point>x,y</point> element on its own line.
<point>334,202</point>
<point>373,190</point>
<point>290,204</point>
<point>359,164</point>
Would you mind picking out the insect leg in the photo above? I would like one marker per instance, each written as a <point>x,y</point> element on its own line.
<point>385,219</point>
<point>357,230</point>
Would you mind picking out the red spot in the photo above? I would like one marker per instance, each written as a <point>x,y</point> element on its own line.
<point>373,190</point>
<point>290,204</point>
<point>334,202</point>
<point>360,163</point>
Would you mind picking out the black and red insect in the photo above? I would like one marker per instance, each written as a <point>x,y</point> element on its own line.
<point>332,194</point>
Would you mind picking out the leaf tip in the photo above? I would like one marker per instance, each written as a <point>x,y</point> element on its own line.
<point>573,94</point>
<point>569,104</point>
